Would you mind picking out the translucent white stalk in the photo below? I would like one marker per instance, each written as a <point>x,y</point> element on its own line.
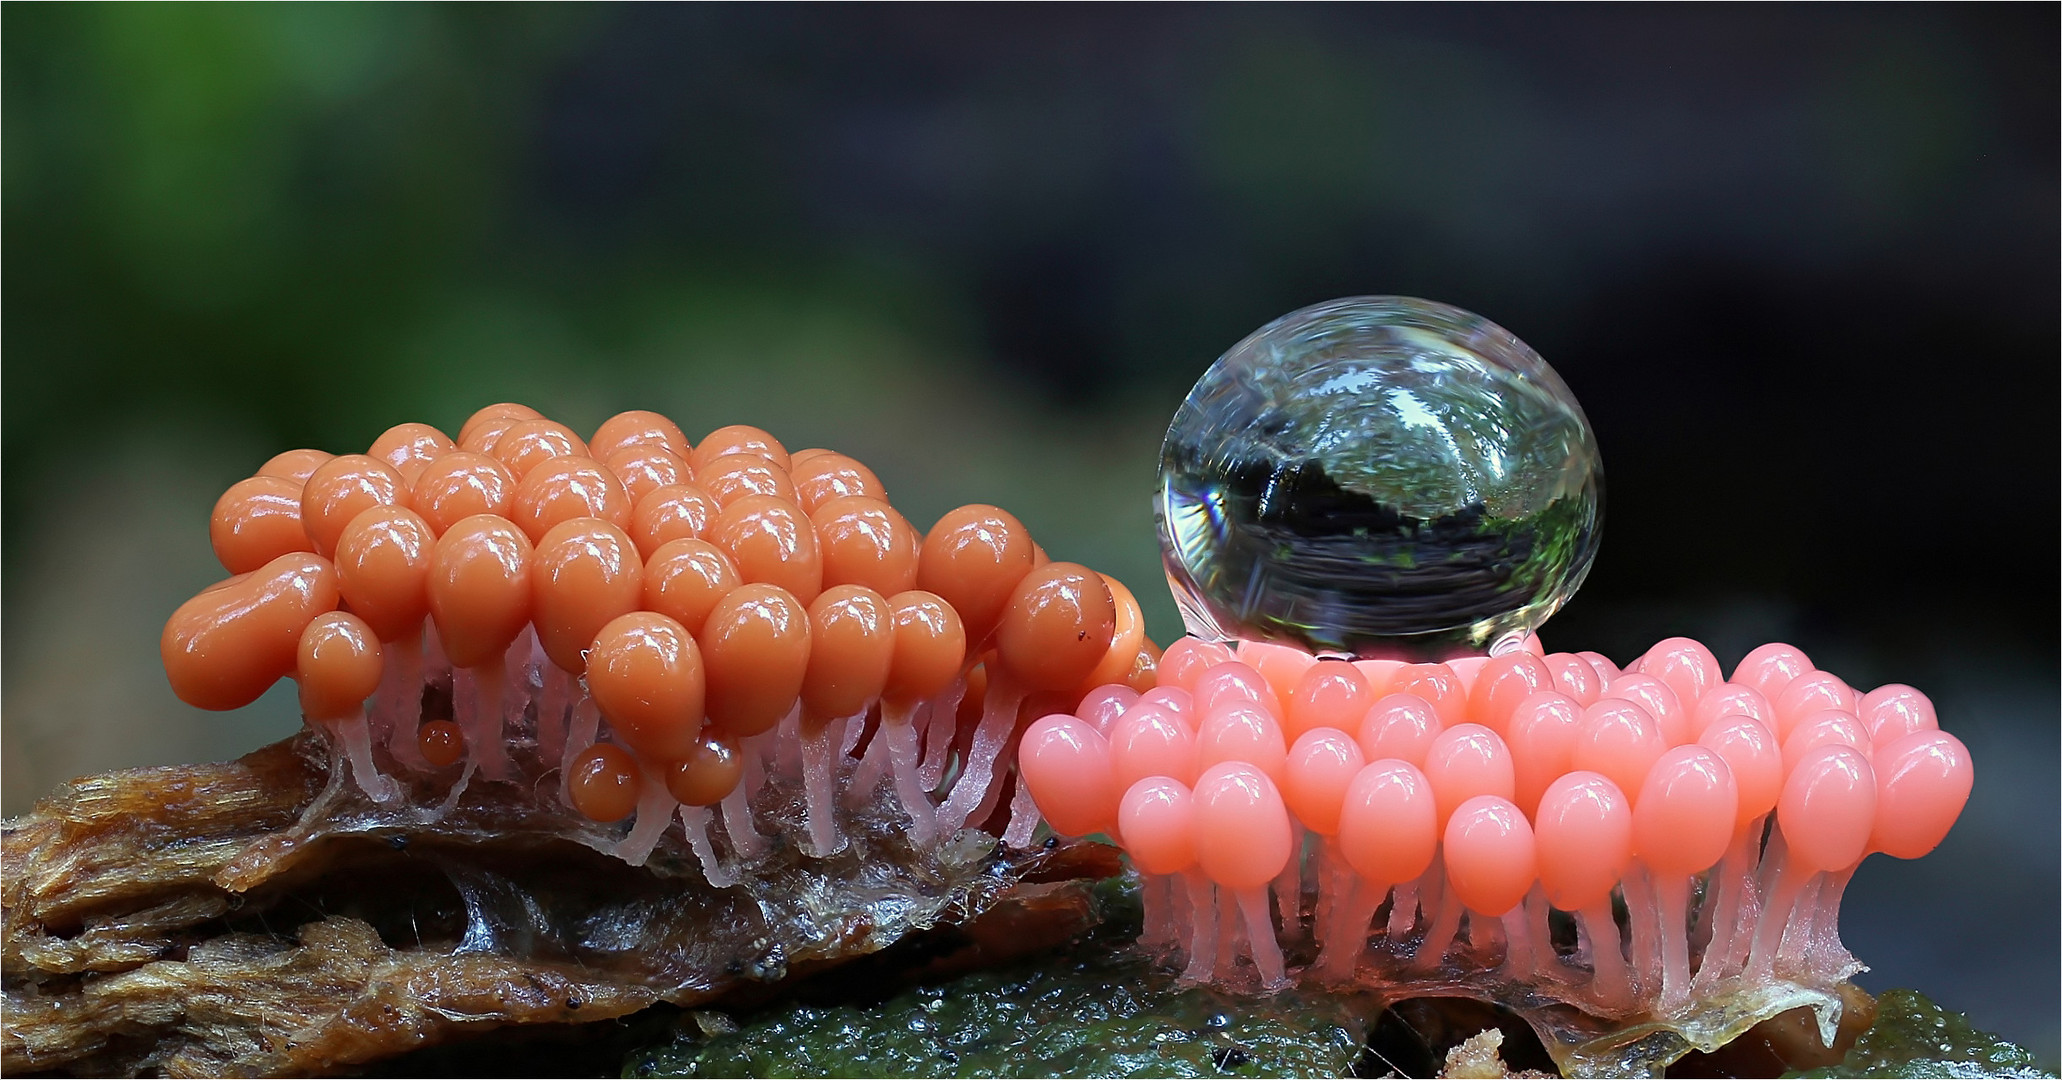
<point>353,737</point>
<point>477,698</point>
<point>1781,884</point>
<point>586,726</point>
<point>1611,986</point>
<point>1023,820</point>
<point>1521,946</point>
<point>1673,892</point>
<point>991,740</point>
<point>900,737</point>
<point>1344,938</point>
<point>552,702</point>
<point>1260,939</point>
<point>820,741</point>
<point>1202,946</point>
<point>942,727</point>
<point>654,812</point>
<point>745,841</point>
<point>1643,914</point>
<point>1403,915</point>
<point>1721,914</point>
<point>1439,938</point>
<point>400,699</point>
<point>855,729</point>
<point>1829,959</point>
<point>695,821</point>
<point>1288,886</point>
<point>1156,894</point>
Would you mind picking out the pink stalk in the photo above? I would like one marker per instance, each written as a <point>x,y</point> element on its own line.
<point>694,821</point>
<point>436,666</point>
<point>516,687</point>
<point>1156,893</point>
<point>978,779</point>
<point>1521,956</point>
<point>1753,900</point>
<point>1673,893</point>
<point>654,812</point>
<point>552,701</point>
<point>586,725</point>
<point>1540,933</point>
<point>900,737</point>
<point>478,701</point>
<point>1829,955</point>
<point>526,663</point>
<point>819,784</point>
<point>380,708</point>
<point>786,757</point>
<point>1644,913</point>
<point>1005,767</point>
<point>1403,915</point>
<point>457,789</point>
<point>866,776</point>
<point>1484,935</point>
<point>1345,938</point>
<point>1180,915</point>
<point>1793,953</point>
<point>942,728</point>
<point>1721,916</point>
<point>758,753</point>
<point>1781,884</point>
<point>1611,988</point>
<point>1288,886</point>
<point>1440,936</point>
<point>1332,889</point>
<point>1202,946</point>
<point>745,842</point>
<point>1267,952</point>
<point>1229,930</point>
<point>1024,819</point>
<point>403,704</point>
<point>353,738</point>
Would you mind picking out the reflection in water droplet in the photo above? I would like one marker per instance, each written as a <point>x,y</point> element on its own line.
<point>1379,476</point>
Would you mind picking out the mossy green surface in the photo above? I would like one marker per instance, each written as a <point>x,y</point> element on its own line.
<point>1096,1008</point>
<point>1914,1037</point>
<point>1100,1008</point>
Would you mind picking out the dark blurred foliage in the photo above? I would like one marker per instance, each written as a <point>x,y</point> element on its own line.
<point>1800,264</point>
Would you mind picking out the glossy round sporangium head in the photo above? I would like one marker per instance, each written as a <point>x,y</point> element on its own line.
<point>1379,476</point>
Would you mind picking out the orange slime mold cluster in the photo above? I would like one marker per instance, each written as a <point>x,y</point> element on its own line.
<point>1494,816</point>
<point>665,625</point>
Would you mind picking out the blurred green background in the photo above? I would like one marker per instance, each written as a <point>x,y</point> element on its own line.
<point>1799,264</point>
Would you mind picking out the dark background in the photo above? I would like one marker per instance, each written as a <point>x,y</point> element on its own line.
<point>1799,264</point>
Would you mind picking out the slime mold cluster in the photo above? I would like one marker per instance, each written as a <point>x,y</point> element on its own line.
<point>1368,507</point>
<point>1362,768</point>
<point>649,628</point>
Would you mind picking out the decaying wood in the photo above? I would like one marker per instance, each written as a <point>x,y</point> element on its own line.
<point>255,918</point>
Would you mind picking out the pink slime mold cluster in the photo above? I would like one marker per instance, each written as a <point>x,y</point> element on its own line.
<point>1645,841</point>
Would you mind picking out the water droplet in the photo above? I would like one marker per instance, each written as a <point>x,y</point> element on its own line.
<point>1378,476</point>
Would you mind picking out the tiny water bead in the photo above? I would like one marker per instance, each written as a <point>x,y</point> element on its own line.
<point>1378,476</point>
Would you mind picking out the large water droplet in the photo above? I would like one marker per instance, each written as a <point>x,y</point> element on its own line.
<point>1381,476</point>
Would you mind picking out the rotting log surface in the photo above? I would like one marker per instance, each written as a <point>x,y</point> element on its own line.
<point>256,918</point>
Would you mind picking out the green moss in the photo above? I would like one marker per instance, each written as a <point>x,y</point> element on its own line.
<point>1914,1037</point>
<point>1097,1008</point>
